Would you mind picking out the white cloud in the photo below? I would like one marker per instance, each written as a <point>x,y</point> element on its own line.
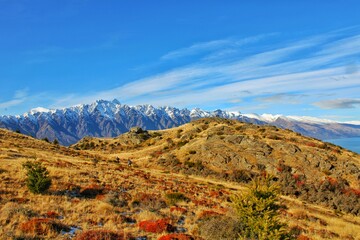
<point>300,68</point>
<point>338,103</point>
<point>11,103</point>
<point>18,98</point>
<point>195,49</point>
<point>21,93</point>
<point>215,45</point>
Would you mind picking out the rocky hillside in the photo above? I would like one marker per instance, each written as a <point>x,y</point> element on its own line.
<point>179,184</point>
<point>236,151</point>
<point>110,119</point>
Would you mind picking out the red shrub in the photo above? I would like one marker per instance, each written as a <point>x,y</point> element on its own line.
<point>336,151</point>
<point>300,183</point>
<point>100,235</point>
<point>52,214</point>
<point>42,226</point>
<point>158,153</point>
<point>303,237</point>
<point>157,226</point>
<point>332,181</point>
<point>224,192</point>
<point>178,209</point>
<point>352,191</point>
<point>176,236</point>
<point>264,173</point>
<point>19,200</point>
<point>356,192</point>
<point>208,213</point>
<point>100,197</point>
<point>296,176</point>
<point>215,194</point>
<point>311,144</point>
<point>201,202</point>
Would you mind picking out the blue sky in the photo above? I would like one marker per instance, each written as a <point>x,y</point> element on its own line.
<point>279,57</point>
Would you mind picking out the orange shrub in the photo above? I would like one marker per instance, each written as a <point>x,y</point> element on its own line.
<point>208,213</point>
<point>303,237</point>
<point>52,214</point>
<point>178,209</point>
<point>42,226</point>
<point>157,226</point>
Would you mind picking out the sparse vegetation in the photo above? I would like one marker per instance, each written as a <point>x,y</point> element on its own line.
<point>95,193</point>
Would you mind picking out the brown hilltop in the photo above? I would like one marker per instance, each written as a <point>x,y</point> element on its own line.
<point>203,162</point>
<point>224,146</point>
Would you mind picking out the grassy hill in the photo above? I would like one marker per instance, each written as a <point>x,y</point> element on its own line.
<point>180,183</point>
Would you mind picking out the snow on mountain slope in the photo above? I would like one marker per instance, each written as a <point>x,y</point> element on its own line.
<point>269,118</point>
<point>111,118</point>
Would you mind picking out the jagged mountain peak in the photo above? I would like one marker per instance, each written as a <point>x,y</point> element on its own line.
<point>104,118</point>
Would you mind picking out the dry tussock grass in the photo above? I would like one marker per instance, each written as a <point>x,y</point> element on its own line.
<point>112,209</point>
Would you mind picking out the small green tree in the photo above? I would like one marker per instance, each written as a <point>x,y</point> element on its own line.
<point>257,210</point>
<point>38,180</point>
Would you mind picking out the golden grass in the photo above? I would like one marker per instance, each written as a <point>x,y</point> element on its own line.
<point>75,170</point>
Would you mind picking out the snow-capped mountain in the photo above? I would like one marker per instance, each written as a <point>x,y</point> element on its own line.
<point>111,118</point>
<point>269,118</point>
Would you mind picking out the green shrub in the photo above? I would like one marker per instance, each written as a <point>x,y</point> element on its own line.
<point>38,180</point>
<point>175,197</point>
<point>257,210</point>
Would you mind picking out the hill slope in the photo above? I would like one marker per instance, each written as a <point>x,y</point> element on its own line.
<point>226,145</point>
<point>94,189</point>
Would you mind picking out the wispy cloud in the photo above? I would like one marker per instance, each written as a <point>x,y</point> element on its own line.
<point>18,98</point>
<point>195,49</point>
<point>11,103</point>
<point>285,98</point>
<point>338,103</point>
<point>308,67</point>
<point>216,47</point>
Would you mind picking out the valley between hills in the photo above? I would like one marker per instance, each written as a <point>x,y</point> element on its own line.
<point>177,183</point>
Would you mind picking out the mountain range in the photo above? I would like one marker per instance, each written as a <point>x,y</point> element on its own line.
<point>111,118</point>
